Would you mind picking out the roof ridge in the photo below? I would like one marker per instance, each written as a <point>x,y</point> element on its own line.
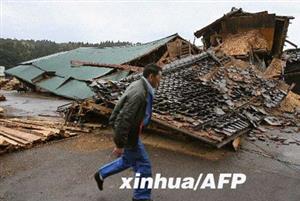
<point>132,45</point>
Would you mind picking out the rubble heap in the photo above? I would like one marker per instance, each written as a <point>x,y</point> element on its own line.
<point>243,43</point>
<point>204,97</point>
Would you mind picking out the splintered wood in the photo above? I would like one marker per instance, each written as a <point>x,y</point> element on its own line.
<point>23,133</point>
<point>290,103</point>
<point>275,69</point>
<point>244,43</point>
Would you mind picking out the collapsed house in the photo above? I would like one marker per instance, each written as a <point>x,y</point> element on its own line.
<point>214,96</point>
<point>199,96</point>
<point>221,93</point>
<point>259,37</point>
<point>68,74</point>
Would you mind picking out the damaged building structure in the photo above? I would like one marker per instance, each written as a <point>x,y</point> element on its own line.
<point>217,95</point>
<point>200,97</point>
<point>214,95</point>
<point>242,35</point>
<point>68,74</point>
<point>258,38</point>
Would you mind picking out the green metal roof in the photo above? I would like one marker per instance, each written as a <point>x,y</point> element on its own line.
<point>67,87</point>
<point>75,89</point>
<point>25,72</point>
<point>71,81</point>
<point>109,55</point>
<point>52,83</point>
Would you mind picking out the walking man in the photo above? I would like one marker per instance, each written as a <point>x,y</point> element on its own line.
<point>132,112</point>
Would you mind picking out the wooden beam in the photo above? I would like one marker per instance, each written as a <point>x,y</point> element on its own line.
<point>76,63</point>
<point>19,134</point>
<point>4,139</point>
<point>291,43</point>
<point>18,140</point>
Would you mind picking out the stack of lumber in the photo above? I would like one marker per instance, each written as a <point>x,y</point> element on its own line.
<point>16,133</point>
<point>9,84</point>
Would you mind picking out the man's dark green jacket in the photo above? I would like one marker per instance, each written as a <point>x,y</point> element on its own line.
<point>128,115</point>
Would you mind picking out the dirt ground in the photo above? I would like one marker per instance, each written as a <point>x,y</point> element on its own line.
<point>63,170</point>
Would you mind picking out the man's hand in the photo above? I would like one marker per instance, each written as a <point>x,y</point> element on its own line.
<point>118,151</point>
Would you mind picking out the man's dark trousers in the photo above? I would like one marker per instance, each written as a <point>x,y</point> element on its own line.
<point>138,159</point>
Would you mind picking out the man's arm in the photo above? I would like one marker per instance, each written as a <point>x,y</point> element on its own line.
<point>125,119</point>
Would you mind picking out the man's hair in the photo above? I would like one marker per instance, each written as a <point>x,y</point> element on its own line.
<point>151,69</point>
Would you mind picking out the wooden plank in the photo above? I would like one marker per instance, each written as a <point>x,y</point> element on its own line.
<point>84,130</point>
<point>93,125</point>
<point>19,134</point>
<point>3,142</point>
<point>174,48</point>
<point>19,140</point>
<point>33,122</point>
<point>164,59</point>
<point>45,134</point>
<point>77,63</point>
<point>29,126</point>
<point>37,125</point>
<point>12,142</point>
<point>70,134</point>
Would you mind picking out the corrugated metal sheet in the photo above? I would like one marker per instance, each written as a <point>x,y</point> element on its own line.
<point>84,73</point>
<point>45,57</point>
<point>75,89</point>
<point>51,84</point>
<point>71,81</point>
<point>25,72</point>
<point>67,87</point>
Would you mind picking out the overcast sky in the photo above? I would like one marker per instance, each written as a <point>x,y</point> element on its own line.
<point>135,21</point>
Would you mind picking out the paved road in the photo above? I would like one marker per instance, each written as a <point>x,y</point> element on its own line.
<point>30,104</point>
<point>64,171</point>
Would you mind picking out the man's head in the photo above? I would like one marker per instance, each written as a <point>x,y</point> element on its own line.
<point>153,74</point>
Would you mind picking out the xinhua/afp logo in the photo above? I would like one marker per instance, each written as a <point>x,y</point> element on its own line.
<point>204,181</point>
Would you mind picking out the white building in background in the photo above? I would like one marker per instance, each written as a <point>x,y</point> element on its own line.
<point>2,69</point>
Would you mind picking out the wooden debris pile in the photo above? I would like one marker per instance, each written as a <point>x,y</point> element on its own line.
<point>244,43</point>
<point>9,84</point>
<point>16,133</point>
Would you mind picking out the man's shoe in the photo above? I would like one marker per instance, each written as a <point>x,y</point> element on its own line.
<point>99,181</point>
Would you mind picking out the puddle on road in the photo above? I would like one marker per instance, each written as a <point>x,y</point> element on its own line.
<point>30,104</point>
